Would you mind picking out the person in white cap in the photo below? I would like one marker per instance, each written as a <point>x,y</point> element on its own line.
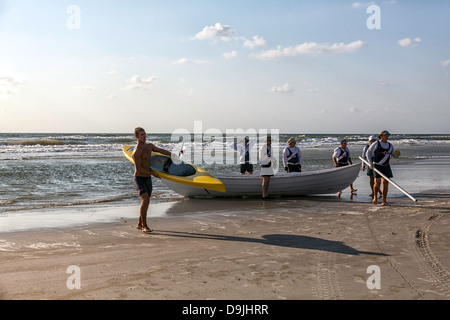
<point>342,158</point>
<point>372,139</point>
<point>292,157</point>
<point>379,154</point>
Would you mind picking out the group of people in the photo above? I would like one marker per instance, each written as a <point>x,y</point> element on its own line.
<point>377,152</point>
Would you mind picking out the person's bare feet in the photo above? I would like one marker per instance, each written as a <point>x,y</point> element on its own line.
<point>145,229</point>
<point>385,204</point>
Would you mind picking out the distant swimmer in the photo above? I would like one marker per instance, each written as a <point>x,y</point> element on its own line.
<point>243,149</point>
<point>341,158</point>
<point>142,175</point>
<point>379,154</point>
<point>292,157</point>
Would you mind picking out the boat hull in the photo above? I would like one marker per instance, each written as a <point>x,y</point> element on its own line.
<point>324,181</point>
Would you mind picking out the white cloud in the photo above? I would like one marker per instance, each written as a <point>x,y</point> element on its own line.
<point>112,72</point>
<point>186,61</point>
<point>9,85</point>
<point>354,110</point>
<point>445,63</point>
<point>285,88</point>
<point>255,43</point>
<point>188,92</point>
<point>134,58</point>
<point>214,33</point>
<point>359,5</point>
<point>383,83</point>
<point>84,87</point>
<point>408,42</point>
<point>230,55</point>
<point>362,5</point>
<point>310,48</point>
<point>138,83</point>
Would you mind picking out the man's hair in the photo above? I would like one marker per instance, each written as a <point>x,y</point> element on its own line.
<point>137,131</point>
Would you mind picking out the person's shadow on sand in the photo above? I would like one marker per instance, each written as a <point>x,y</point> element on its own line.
<point>281,240</point>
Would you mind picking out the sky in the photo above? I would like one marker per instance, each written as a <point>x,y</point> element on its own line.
<point>295,66</point>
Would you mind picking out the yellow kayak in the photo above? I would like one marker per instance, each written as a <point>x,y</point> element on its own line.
<point>183,172</point>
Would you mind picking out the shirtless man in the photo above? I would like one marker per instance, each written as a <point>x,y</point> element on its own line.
<point>143,173</point>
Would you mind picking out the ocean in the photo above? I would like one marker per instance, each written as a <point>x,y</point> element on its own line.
<point>42,171</point>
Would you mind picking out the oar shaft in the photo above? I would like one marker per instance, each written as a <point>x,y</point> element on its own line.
<point>395,185</point>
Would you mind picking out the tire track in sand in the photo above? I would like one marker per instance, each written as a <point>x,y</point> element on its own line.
<point>326,284</point>
<point>427,261</point>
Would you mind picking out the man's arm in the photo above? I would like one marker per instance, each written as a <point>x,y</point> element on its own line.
<point>163,151</point>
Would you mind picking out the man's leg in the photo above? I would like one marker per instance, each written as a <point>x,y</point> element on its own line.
<point>376,189</point>
<point>142,223</point>
<point>385,192</point>
<point>265,186</point>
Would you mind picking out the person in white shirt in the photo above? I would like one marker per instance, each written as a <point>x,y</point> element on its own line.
<point>372,139</point>
<point>341,158</point>
<point>292,157</point>
<point>379,154</point>
<point>244,155</point>
<point>268,165</point>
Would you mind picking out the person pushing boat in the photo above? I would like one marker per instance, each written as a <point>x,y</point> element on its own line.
<point>369,171</point>
<point>243,149</point>
<point>342,158</point>
<point>268,163</point>
<point>379,154</point>
<point>292,157</point>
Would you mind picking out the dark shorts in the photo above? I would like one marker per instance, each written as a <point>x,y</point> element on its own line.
<point>369,172</point>
<point>246,167</point>
<point>143,185</point>
<point>294,168</point>
<point>386,170</point>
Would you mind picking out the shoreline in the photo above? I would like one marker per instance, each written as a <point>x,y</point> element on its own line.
<point>284,249</point>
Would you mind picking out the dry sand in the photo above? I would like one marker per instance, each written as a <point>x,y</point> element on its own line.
<point>304,248</point>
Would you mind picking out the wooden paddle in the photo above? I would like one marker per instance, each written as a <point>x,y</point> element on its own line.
<point>395,185</point>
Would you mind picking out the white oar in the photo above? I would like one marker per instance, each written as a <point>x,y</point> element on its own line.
<point>395,185</point>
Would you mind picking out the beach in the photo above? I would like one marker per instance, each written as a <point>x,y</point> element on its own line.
<point>72,234</point>
<point>320,248</point>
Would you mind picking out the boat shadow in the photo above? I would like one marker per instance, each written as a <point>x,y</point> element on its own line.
<point>281,240</point>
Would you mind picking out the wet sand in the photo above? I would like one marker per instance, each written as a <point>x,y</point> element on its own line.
<point>303,248</point>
